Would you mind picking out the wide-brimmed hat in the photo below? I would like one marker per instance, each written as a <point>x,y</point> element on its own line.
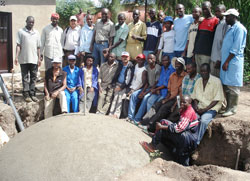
<point>179,59</point>
<point>232,12</point>
<point>57,60</point>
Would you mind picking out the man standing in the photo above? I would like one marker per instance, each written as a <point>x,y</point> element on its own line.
<point>208,97</point>
<point>106,76</point>
<point>181,26</point>
<point>220,32</point>
<point>70,40</point>
<point>137,35</point>
<point>154,30</point>
<point>121,33</point>
<point>232,60</point>
<point>104,33</point>
<point>51,41</point>
<point>80,17</point>
<point>85,39</point>
<point>28,55</point>
<point>205,36</point>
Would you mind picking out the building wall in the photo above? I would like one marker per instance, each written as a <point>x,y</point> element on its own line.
<point>20,9</point>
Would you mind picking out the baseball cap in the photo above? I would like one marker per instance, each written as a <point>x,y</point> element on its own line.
<point>168,18</point>
<point>142,56</point>
<point>73,18</point>
<point>179,59</point>
<point>71,57</point>
<point>57,60</point>
<point>55,15</point>
<point>125,54</point>
<point>232,12</point>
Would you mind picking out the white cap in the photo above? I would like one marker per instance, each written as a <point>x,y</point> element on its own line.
<point>232,12</point>
<point>57,60</point>
<point>73,18</point>
<point>179,59</point>
<point>125,54</point>
<point>71,57</point>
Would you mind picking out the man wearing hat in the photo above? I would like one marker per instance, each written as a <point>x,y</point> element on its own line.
<point>123,78</point>
<point>167,39</point>
<point>232,60</point>
<point>71,38</point>
<point>51,41</point>
<point>163,108</point>
<point>71,91</point>
<point>54,85</point>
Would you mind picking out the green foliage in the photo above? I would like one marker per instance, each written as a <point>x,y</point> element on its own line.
<point>67,8</point>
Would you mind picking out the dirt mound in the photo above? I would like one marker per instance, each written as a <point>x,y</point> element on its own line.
<point>228,135</point>
<point>167,170</point>
<point>73,147</point>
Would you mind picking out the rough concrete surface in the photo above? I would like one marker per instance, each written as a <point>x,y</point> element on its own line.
<point>73,147</point>
<point>160,170</point>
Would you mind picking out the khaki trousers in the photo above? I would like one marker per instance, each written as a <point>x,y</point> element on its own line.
<point>104,100</point>
<point>201,59</point>
<point>116,106</point>
<point>49,105</point>
<point>215,72</point>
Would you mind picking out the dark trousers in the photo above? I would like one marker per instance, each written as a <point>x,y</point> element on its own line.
<point>29,76</point>
<point>158,112</point>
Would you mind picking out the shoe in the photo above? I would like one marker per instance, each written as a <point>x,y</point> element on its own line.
<point>98,112</point>
<point>34,99</point>
<point>27,99</point>
<point>232,106</point>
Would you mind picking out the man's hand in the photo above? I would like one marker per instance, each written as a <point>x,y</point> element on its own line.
<point>172,108</point>
<point>47,98</point>
<point>39,63</point>
<point>105,52</point>
<point>225,66</point>
<point>54,94</point>
<point>91,89</point>
<point>201,111</point>
<point>164,101</point>
<point>16,61</point>
<point>118,89</point>
<point>153,91</point>
<point>72,89</point>
<point>134,37</point>
<point>217,65</point>
<point>158,126</point>
<point>80,90</point>
<point>183,54</point>
<point>100,90</point>
<point>141,95</point>
<point>41,57</point>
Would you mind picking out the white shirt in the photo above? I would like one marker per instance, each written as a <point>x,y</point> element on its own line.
<point>51,42</point>
<point>71,38</point>
<point>167,42</point>
<point>88,76</point>
<point>137,79</point>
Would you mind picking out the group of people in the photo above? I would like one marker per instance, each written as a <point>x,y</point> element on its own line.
<point>167,76</point>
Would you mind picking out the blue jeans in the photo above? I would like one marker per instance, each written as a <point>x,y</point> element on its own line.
<point>205,119</point>
<point>170,55</point>
<point>178,53</point>
<point>132,104</point>
<point>153,99</point>
<point>72,98</point>
<point>98,54</point>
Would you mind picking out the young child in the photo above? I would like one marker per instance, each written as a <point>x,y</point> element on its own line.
<point>183,135</point>
<point>167,39</point>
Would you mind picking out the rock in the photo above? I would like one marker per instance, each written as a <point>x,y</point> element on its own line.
<point>7,120</point>
<point>74,147</point>
<point>175,171</point>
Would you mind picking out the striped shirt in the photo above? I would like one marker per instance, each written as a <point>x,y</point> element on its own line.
<point>188,84</point>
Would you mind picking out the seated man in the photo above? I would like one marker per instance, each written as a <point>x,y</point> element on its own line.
<point>123,78</point>
<point>91,76</point>
<point>54,85</point>
<point>106,76</point>
<point>163,108</point>
<point>182,135</point>
<point>208,97</point>
<point>71,90</point>
<point>189,80</point>
<point>153,74</point>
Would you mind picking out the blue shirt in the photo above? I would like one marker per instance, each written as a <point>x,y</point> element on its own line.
<point>234,42</point>
<point>181,26</point>
<point>121,78</point>
<point>164,77</point>
<point>85,38</point>
<point>72,78</point>
<point>153,33</point>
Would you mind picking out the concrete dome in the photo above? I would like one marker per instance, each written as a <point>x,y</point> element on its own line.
<point>74,147</point>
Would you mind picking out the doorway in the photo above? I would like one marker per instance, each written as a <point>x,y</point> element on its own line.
<point>6,57</point>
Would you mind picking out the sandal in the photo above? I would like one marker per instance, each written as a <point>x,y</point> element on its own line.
<point>147,147</point>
